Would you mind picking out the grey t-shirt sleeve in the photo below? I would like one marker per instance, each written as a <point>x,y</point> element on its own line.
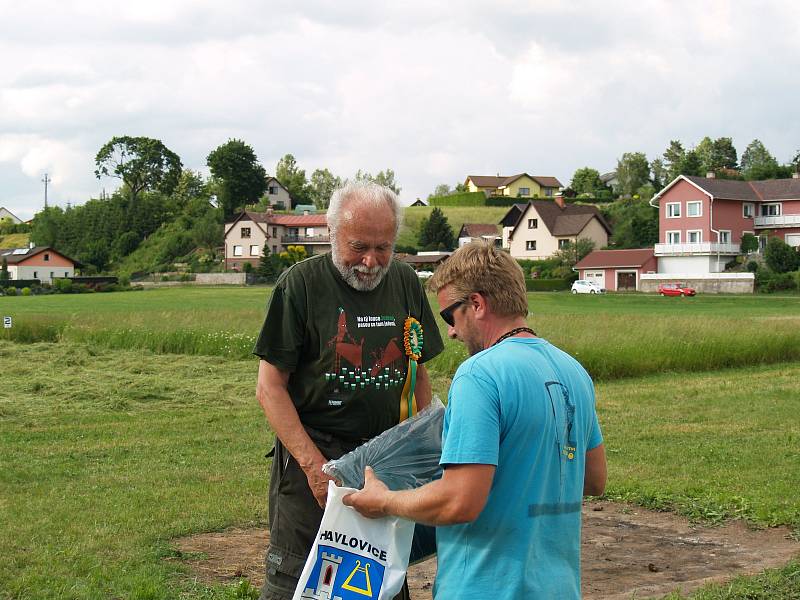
<point>280,341</point>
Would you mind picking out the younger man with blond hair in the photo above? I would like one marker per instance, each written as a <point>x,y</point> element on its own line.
<point>521,445</point>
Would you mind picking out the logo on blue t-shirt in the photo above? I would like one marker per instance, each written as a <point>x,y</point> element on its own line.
<point>342,575</point>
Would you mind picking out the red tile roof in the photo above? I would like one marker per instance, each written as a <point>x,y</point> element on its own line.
<point>298,220</point>
<point>749,191</point>
<point>477,229</point>
<point>616,258</point>
<point>499,180</point>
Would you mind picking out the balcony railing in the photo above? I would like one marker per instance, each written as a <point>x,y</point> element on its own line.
<point>701,248</point>
<point>779,221</point>
<point>303,239</point>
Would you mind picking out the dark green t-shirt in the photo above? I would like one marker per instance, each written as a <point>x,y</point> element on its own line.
<point>343,347</point>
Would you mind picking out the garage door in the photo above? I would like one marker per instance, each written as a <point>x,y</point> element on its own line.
<point>793,239</point>
<point>599,277</point>
<point>626,281</point>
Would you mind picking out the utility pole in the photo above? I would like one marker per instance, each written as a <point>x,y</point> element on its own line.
<point>46,181</point>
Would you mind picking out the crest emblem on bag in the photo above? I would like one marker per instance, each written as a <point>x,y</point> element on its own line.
<point>342,575</point>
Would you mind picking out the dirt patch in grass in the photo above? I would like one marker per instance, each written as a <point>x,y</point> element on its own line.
<point>626,552</point>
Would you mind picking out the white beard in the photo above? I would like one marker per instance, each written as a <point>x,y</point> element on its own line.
<point>349,274</point>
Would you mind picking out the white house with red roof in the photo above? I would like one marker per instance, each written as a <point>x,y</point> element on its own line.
<point>249,232</point>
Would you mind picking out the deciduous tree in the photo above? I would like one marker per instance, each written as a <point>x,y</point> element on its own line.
<point>586,181</point>
<point>294,179</point>
<point>780,256</point>
<point>141,163</point>
<point>240,178</point>
<point>633,171</point>
<point>322,185</point>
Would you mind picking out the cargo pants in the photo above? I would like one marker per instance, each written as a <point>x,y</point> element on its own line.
<point>294,517</point>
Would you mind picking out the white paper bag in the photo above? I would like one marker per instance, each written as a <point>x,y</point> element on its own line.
<point>353,557</point>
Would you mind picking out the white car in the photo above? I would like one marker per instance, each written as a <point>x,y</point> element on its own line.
<point>424,274</point>
<point>584,286</point>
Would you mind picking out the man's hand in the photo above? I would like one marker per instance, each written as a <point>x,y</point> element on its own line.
<point>370,501</point>
<point>318,481</point>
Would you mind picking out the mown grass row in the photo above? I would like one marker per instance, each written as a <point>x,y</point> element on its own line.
<point>608,346</point>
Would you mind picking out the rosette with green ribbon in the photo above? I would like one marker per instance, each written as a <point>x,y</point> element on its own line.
<point>412,343</point>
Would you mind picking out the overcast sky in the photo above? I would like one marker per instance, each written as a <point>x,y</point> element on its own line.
<point>434,90</point>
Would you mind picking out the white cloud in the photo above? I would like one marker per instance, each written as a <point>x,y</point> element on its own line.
<point>433,90</point>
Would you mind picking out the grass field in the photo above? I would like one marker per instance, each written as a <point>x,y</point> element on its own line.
<point>606,333</point>
<point>107,454</point>
<point>456,217</point>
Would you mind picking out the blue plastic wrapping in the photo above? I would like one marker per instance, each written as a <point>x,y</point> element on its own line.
<point>403,457</point>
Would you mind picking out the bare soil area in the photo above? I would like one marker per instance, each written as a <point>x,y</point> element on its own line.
<point>626,552</point>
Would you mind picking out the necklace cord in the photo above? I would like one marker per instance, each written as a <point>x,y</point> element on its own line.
<point>514,332</point>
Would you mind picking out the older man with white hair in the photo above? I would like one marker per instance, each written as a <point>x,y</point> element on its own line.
<point>333,365</point>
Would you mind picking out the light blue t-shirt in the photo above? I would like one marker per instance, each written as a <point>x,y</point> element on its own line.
<point>528,408</point>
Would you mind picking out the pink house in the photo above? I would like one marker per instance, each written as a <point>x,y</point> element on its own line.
<point>702,220</point>
<point>617,270</point>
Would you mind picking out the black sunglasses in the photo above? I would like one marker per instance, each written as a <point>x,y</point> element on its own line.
<point>447,313</point>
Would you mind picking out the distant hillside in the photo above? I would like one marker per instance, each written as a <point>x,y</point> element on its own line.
<point>14,240</point>
<point>456,216</point>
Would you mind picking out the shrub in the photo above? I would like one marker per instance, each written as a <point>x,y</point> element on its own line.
<point>247,267</point>
<point>11,291</point>
<point>752,266</point>
<point>26,291</point>
<point>62,286</point>
<point>547,285</point>
<point>780,256</point>
<point>749,243</point>
<point>124,280</point>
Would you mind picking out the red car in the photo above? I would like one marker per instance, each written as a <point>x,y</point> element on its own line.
<point>675,289</point>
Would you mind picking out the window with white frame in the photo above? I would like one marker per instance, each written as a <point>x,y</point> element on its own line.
<point>530,245</point>
<point>694,208</point>
<point>533,223</point>
<point>673,210</point>
<point>772,209</point>
<point>694,236</point>
<point>748,210</point>
<point>724,236</point>
<point>254,250</point>
<point>237,250</point>
<point>673,237</point>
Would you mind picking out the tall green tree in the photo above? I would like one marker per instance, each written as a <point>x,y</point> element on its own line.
<point>634,221</point>
<point>673,159</point>
<point>321,187</point>
<point>141,163</point>
<point>758,163</point>
<point>705,155</point>
<point>294,179</point>
<point>586,181</point>
<point>692,164</point>
<point>4,275</point>
<point>633,171</point>
<point>240,178</point>
<point>724,154</point>
<point>268,265</point>
<point>385,178</point>
<point>659,173</point>
<point>443,189</point>
<point>435,233</point>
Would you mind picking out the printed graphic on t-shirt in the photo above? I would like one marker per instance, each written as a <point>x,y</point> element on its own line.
<point>342,575</point>
<point>356,365</point>
<point>564,411</point>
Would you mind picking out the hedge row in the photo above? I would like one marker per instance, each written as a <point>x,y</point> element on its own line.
<point>547,285</point>
<point>461,199</point>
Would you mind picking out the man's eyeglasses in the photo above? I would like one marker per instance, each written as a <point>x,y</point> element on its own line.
<point>447,313</point>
